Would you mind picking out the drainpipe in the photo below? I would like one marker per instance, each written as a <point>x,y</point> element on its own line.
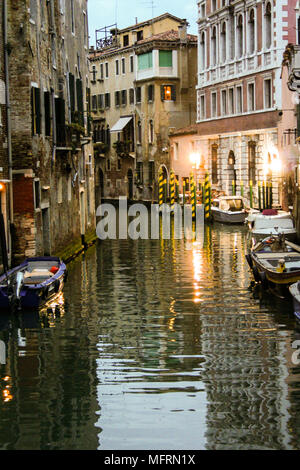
<point>8,117</point>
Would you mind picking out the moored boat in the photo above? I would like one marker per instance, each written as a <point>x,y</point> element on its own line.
<point>271,222</point>
<point>32,283</point>
<point>295,293</point>
<point>229,210</point>
<point>275,262</point>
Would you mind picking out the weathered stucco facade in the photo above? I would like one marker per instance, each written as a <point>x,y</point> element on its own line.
<point>147,73</point>
<point>52,151</point>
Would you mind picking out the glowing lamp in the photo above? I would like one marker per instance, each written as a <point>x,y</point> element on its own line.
<point>1,186</point>
<point>195,159</point>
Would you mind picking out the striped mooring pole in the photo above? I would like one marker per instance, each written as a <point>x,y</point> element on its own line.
<point>251,193</point>
<point>172,189</point>
<point>207,198</point>
<point>193,199</point>
<point>259,194</point>
<point>183,191</point>
<point>242,188</point>
<point>160,188</point>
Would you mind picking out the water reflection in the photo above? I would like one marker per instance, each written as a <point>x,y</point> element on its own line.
<point>156,344</point>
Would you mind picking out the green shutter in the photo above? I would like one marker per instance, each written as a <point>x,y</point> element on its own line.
<point>145,61</point>
<point>72,94</point>
<point>47,113</point>
<point>79,94</point>
<point>165,59</point>
<point>37,107</point>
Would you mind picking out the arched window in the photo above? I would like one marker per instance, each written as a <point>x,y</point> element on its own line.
<point>251,32</point>
<point>240,36</point>
<point>268,25</point>
<point>252,162</point>
<point>223,42</point>
<point>202,51</point>
<point>214,46</point>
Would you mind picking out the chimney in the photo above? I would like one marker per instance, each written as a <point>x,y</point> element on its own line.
<point>182,31</point>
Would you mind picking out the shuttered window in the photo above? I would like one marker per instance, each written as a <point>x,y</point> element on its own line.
<point>47,113</point>
<point>165,59</point>
<point>145,61</point>
<point>72,95</point>
<point>150,92</point>
<point>36,110</point>
<point>79,94</point>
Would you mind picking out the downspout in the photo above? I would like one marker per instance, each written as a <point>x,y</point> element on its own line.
<point>8,117</point>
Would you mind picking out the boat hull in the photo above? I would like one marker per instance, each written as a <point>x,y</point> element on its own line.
<point>295,293</point>
<point>33,295</point>
<point>227,217</point>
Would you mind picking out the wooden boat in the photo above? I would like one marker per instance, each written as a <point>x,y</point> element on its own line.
<point>32,283</point>
<point>271,222</point>
<point>229,210</point>
<point>295,293</point>
<point>275,262</point>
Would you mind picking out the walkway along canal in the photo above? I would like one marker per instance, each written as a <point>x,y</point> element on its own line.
<point>158,344</point>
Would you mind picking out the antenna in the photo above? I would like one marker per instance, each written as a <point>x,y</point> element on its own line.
<point>150,4</point>
<point>116,12</point>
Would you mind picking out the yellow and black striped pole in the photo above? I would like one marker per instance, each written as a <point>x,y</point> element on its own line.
<point>206,198</point>
<point>172,189</point>
<point>193,196</point>
<point>176,189</point>
<point>160,188</point>
<point>183,191</point>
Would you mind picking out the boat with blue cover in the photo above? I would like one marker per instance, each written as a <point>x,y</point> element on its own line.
<point>32,283</point>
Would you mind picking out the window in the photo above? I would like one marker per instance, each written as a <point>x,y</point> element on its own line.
<point>108,164</point>
<point>251,32</point>
<point>107,100</point>
<point>223,42</point>
<point>165,59</point>
<point>252,161</point>
<point>151,174</point>
<point>59,191</point>
<point>145,61</point>
<point>139,132</point>
<point>36,110</point>
<point>131,63</point>
<point>168,93</point>
<point>72,17</point>
<point>106,70</point>
<point>139,35</point>
<point>214,104</point>
<point>251,97</point>
<point>268,93</point>
<point>117,67</point>
<point>101,72</point>
<point>214,164</point>
<point>214,46</point>
<point>131,96</point>
<point>47,108</point>
<point>37,196</point>
<point>240,36</point>
<point>150,93</point>
<point>123,66</point>
<point>268,26</point>
<point>117,98</point>
<point>139,172</point>
<point>119,164</point>
<point>231,101</point>
<point>176,151</point>
<point>125,40</point>
<point>124,97</point>
<point>151,132</point>
<point>224,102</point>
<point>101,101</point>
<point>202,107</point>
<point>239,99</point>
<point>202,51</point>
<point>94,72</point>
<point>85,32</point>
<point>138,94</point>
<point>213,5</point>
<point>94,102</point>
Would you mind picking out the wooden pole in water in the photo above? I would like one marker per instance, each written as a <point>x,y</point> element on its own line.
<point>242,189</point>
<point>251,193</point>
<point>271,195</point>
<point>183,191</point>
<point>206,198</point>
<point>264,194</point>
<point>233,187</point>
<point>259,194</point>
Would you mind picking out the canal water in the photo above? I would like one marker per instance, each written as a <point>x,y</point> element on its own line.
<point>157,344</point>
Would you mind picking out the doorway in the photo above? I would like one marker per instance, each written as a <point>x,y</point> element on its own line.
<point>130,184</point>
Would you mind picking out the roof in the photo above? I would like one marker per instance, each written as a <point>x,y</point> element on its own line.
<point>152,20</point>
<point>171,35</point>
<point>192,129</point>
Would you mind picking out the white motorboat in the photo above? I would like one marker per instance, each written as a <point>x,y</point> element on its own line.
<point>271,222</point>
<point>229,210</point>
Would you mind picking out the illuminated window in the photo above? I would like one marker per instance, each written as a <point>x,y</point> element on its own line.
<point>168,93</point>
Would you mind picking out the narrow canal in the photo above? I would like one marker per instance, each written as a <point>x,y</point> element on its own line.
<point>158,344</point>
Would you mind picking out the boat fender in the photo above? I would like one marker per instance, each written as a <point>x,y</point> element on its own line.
<point>256,274</point>
<point>56,285</point>
<point>249,260</point>
<point>264,280</point>
<point>45,292</point>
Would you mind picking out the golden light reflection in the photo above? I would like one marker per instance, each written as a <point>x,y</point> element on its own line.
<point>6,393</point>
<point>197,272</point>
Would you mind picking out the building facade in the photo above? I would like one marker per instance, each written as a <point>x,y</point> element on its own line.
<point>143,84</point>
<point>53,190</point>
<point>239,91</point>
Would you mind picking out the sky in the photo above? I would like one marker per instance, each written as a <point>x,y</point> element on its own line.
<point>124,12</point>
